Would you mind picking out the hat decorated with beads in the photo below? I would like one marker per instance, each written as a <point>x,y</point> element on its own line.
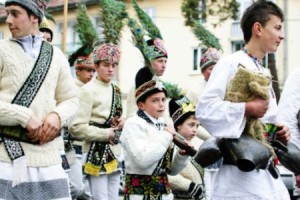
<point>107,52</point>
<point>147,84</point>
<point>181,109</point>
<point>210,57</point>
<point>37,7</point>
<point>84,62</point>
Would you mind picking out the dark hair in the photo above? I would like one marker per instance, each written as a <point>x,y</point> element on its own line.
<point>183,118</point>
<point>259,11</point>
<point>48,31</point>
<point>29,12</point>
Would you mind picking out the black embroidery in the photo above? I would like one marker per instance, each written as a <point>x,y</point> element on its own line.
<point>28,91</point>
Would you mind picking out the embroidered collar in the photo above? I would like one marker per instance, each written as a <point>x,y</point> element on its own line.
<point>256,60</point>
<point>144,115</point>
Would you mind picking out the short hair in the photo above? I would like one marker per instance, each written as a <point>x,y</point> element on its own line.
<point>259,11</point>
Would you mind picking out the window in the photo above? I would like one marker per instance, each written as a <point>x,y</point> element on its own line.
<point>237,45</point>
<point>202,8</point>
<point>196,59</point>
<point>151,12</point>
<point>72,39</point>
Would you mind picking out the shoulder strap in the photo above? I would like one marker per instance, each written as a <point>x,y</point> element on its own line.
<point>31,86</point>
<point>116,106</point>
<point>27,93</point>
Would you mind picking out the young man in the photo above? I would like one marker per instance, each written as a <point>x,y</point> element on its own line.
<point>189,184</point>
<point>37,97</point>
<point>97,122</point>
<point>149,153</point>
<point>158,65</point>
<point>85,70</point>
<point>79,185</point>
<point>262,28</point>
<point>208,60</point>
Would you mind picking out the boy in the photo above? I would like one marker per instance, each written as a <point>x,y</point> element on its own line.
<point>262,28</point>
<point>189,183</point>
<point>148,149</point>
<point>97,123</point>
<point>37,98</point>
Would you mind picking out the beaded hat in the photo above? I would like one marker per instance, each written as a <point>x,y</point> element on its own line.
<point>210,57</point>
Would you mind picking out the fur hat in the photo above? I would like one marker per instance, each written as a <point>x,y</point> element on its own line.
<point>147,84</point>
<point>210,57</point>
<point>37,7</point>
<point>109,52</point>
<point>181,109</point>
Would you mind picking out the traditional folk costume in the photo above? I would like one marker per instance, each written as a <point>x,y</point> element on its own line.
<point>209,57</point>
<point>148,149</point>
<point>189,183</point>
<point>289,106</point>
<point>225,119</point>
<point>151,49</point>
<point>73,146</point>
<point>35,81</point>
<point>95,117</point>
<point>81,59</point>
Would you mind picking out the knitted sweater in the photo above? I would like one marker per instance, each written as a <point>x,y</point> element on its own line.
<point>189,174</point>
<point>95,101</point>
<point>144,145</point>
<point>56,94</point>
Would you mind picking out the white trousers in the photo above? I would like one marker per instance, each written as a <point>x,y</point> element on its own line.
<point>43,183</point>
<point>105,186</point>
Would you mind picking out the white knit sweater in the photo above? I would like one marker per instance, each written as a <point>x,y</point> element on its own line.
<point>95,100</point>
<point>56,94</point>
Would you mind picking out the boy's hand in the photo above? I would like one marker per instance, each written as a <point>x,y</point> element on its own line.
<point>51,128</point>
<point>111,135</point>
<point>34,127</point>
<point>187,143</point>
<point>257,107</point>
<point>283,134</point>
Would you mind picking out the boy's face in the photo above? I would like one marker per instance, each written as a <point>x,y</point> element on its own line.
<point>154,104</point>
<point>106,71</point>
<point>272,34</point>
<point>47,36</point>
<point>206,73</point>
<point>85,74</point>
<point>159,65</point>
<point>19,23</point>
<point>188,128</point>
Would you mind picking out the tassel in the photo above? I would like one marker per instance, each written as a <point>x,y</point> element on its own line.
<point>91,169</point>
<point>20,174</point>
<point>111,166</point>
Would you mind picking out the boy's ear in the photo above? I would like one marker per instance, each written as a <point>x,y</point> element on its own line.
<point>257,28</point>
<point>141,105</point>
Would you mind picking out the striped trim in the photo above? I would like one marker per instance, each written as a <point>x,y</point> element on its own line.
<point>51,189</point>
